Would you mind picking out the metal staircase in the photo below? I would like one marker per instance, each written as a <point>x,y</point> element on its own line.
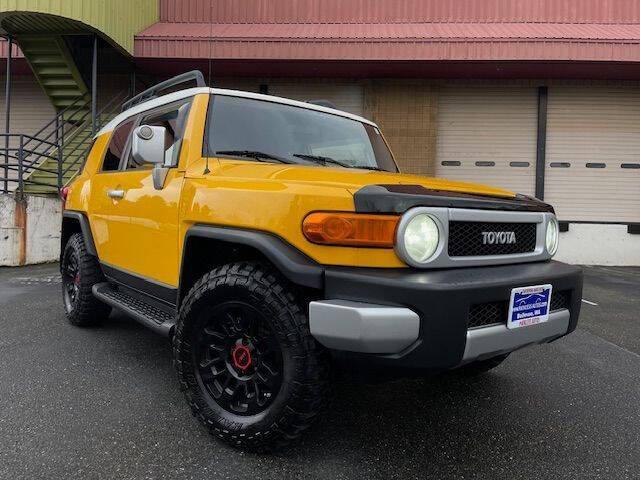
<point>56,71</point>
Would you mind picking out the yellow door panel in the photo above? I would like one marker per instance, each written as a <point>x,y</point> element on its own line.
<point>138,233</point>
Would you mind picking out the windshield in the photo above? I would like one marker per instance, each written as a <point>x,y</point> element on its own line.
<point>273,132</point>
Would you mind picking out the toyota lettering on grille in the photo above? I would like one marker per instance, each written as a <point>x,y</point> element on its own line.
<point>498,238</point>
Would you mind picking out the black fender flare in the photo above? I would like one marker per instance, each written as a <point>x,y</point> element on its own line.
<point>291,262</point>
<point>85,228</point>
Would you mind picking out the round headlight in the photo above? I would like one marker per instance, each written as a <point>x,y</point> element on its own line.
<point>552,236</point>
<point>421,238</point>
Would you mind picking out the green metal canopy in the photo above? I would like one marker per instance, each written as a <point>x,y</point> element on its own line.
<point>50,34</point>
<point>117,21</point>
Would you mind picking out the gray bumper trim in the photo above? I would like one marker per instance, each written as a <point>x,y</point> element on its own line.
<point>488,342</point>
<point>363,327</point>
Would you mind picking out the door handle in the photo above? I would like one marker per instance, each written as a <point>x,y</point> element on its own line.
<point>115,193</point>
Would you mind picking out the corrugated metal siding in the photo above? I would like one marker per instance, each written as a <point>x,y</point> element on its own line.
<point>488,124</point>
<point>30,107</point>
<point>400,11</point>
<point>594,125</point>
<point>4,48</point>
<point>117,19</point>
<point>394,31</point>
<point>391,42</point>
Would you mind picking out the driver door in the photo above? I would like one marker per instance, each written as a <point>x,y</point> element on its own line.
<point>135,225</point>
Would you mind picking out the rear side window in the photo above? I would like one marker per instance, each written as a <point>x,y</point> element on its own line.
<point>117,145</point>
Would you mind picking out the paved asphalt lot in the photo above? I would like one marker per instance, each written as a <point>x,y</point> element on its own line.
<point>103,403</point>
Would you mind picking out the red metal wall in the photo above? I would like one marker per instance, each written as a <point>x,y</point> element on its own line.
<point>400,11</point>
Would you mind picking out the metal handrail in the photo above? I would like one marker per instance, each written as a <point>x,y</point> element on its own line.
<point>61,113</point>
<point>60,123</point>
<point>33,150</point>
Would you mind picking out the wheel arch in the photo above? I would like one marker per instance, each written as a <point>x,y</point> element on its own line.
<point>209,246</point>
<point>76,222</point>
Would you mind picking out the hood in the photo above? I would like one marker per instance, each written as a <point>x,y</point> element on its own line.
<point>351,179</point>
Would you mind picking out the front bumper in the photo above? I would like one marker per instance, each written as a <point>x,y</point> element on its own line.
<point>419,319</point>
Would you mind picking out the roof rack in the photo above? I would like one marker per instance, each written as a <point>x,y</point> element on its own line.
<point>153,92</point>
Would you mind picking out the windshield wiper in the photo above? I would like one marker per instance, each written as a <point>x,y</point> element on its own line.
<point>325,160</point>
<point>256,155</point>
<point>320,159</point>
<point>369,167</point>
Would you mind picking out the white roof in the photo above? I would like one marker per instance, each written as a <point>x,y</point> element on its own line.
<point>172,97</point>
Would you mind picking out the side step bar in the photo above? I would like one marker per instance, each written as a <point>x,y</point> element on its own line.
<point>151,317</point>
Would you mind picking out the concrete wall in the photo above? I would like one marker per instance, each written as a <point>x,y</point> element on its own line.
<point>599,244</point>
<point>10,234</point>
<point>29,229</point>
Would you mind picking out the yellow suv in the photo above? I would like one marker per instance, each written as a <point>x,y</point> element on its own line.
<point>275,242</point>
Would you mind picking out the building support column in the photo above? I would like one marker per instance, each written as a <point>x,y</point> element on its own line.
<point>132,84</point>
<point>94,87</point>
<point>541,147</point>
<point>7,114</point>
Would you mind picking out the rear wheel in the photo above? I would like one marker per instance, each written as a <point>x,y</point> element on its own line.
<point>250,369</point>
<point>80,272</point>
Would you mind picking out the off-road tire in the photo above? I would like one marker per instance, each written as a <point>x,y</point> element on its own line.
<point>480,367</point>
<point>304,390</point>
<point>85,310</point>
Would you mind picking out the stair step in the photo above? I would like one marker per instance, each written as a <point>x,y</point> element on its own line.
<point>41,189</point>
<point>68,101</point>
<point>72,93</point>
<point>32,48</point>
<point>59,82</point>
<point>47,59</point>
<point>151,316</point>
<point>55,71</point>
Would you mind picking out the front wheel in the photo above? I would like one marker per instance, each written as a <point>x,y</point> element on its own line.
<point>250,369</point>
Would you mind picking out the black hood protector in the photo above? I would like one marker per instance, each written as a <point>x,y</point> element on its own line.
<point>400,198</point>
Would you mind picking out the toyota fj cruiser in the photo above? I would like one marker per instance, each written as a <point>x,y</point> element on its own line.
<point>275,241</point>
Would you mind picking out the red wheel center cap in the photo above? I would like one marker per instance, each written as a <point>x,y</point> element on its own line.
<point>241,356</point>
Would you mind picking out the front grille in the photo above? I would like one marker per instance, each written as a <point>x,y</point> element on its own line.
<point>485,314</point>
<point>560,300</point>
<point>494,313</point>
<point>466,238</point>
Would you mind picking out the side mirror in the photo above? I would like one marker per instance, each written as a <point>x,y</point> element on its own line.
<point>148,146</point>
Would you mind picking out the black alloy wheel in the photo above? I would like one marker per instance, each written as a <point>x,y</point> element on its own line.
<point>238,357</point>
<point>80,271</point>
<point>247,363</point>
<point>70,280</point>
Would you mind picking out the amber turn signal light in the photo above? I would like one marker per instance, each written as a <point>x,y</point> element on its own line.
<point>351,229</point>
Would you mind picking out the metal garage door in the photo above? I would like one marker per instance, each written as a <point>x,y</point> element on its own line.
<point>593,153</point>
<point>488,135</point>
<point>30,107</point>
<point>30,110</point>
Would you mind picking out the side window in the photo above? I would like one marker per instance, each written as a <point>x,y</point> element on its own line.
<point>173,118</point>
<point>116,147</point>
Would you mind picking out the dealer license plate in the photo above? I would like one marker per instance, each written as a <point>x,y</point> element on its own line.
<point>529,306</point>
